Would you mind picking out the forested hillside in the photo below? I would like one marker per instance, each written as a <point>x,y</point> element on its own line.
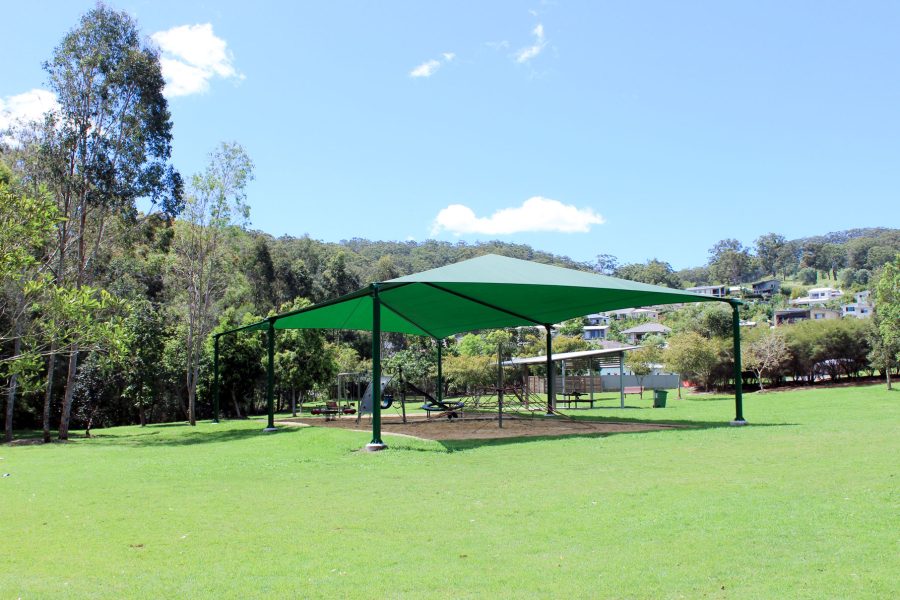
<point>845,257</point>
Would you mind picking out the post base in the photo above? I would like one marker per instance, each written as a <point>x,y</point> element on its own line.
<point>739,423</point>
<point>270,429</point>
<point>375,446</point>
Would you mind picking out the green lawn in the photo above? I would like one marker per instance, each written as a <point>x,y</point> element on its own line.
<point>803,503</point>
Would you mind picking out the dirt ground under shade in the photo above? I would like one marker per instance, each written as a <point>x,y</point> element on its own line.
<point>470,428</point>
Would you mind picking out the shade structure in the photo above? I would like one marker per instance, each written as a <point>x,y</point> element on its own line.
<point>486,292</point>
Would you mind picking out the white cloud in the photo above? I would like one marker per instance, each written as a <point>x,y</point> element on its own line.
<point>29,106</point>
<point>429,67</point>
<point>535,214</point>
<point>426,69</point>
<point>191,56</point>
<point>526,54</point>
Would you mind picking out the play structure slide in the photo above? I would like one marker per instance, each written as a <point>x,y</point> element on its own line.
<point>365,405</point>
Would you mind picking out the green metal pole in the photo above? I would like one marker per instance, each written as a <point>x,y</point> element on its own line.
<point>738,368</point>
<point>376,443</point>
<point>270,378</point>
<point>440,375</point>
<point>551,393</point>
<point>216,379</point>
<point>500,385</point>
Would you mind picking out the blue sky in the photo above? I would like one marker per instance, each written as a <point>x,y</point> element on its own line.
<point>639,129</point>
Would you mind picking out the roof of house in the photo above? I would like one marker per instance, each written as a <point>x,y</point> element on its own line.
<point>540,360</point>
<point>648,328</point>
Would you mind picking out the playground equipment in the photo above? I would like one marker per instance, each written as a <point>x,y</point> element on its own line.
<point>365,404</point>
<point>350,386</point>
<point>332,409</point>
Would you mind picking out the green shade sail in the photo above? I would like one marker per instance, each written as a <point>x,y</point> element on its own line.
<point>486,292</point>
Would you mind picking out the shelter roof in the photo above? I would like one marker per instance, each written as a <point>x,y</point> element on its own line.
<point>487,292</point>
<point>557,356</point>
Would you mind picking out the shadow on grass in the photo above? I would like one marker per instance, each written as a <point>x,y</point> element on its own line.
<point>155,435</point>
<point>458,445</point>
<point>664,426</point>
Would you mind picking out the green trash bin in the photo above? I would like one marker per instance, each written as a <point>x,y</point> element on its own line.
<point>659,398</point>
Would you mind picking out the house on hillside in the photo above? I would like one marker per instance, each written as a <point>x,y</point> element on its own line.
<point>716,291</point>
<point>766,288</point>
<point>636,334</point>
<point>815,313</point>
<point>818,296</point>
<point>597,319</point>
<point>594,332</point>
<point>634,313</point>
<point>861,308</point>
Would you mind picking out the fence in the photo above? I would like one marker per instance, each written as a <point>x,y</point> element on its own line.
<point>604,383</point>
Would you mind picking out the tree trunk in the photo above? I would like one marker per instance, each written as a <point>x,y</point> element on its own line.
<point>887,368</point>
<point>69,393</point>
<point>193,374</point>
<point>48,395</point>
<point>293,402</point>
<point>237,409</point>
<point>13,384</point>
<point>10,401</point>
<point>189,373</point>
<point>142,415</point>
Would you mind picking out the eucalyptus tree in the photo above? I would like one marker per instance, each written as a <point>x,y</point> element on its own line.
<point>215,210</point>
<point>729,261</point>
<point>768,247</point>
<point>107,145</point>
<point>26,225</point>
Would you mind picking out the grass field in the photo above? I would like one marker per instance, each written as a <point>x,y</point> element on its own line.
<point>803,503</point>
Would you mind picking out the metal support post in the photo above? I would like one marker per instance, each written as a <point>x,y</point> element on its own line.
<point>500,385</point>
<point>376,443</point>
<point>215,379</point>
<point>738,368</point>
<point>591,373</point>
<point>402,392</point>
<point>439,393</point>
<point>622,380</point>
<point>551,393</point>
<point>270,378</point>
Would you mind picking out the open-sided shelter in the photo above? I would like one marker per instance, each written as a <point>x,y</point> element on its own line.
<point>487,292</point>
<point>603,357</point>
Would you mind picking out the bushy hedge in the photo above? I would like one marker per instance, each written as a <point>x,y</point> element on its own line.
<point>831,349</point>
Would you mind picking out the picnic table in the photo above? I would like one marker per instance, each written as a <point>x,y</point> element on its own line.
<point>634,389</point>
<point>570,397</point>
